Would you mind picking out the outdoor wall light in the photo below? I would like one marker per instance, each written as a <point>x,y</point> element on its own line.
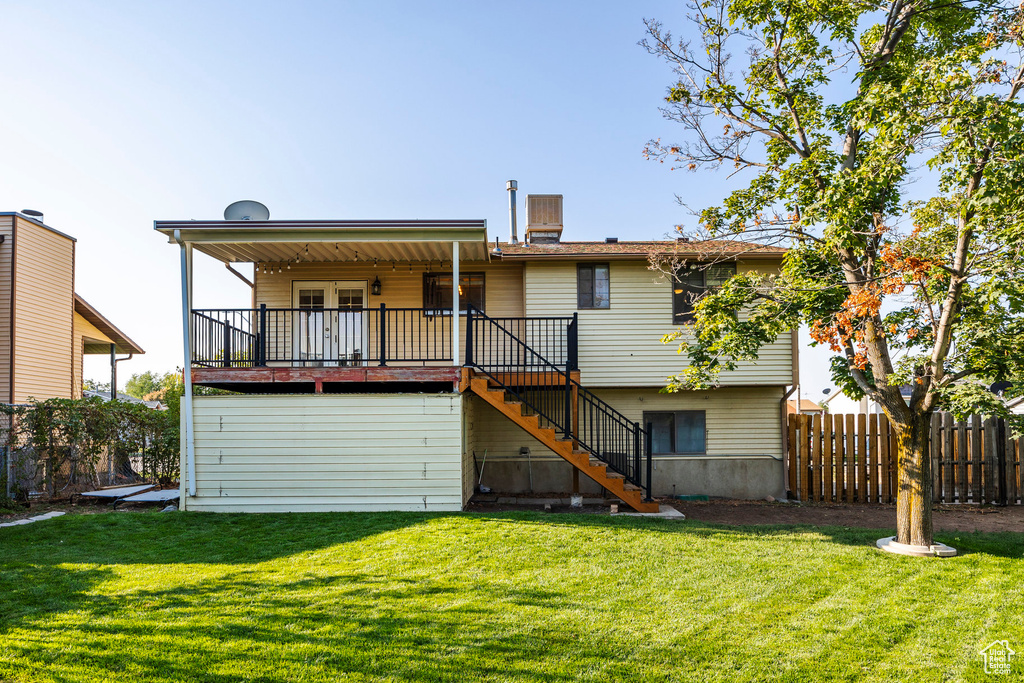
<point>375,287</point>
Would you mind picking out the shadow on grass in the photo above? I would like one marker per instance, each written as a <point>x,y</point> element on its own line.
<point>999,544</point>
<point>231,628</point>
<point>319,617</point>
<point>223,538</point>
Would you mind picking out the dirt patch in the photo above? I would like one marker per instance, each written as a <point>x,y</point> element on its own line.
<point>78,507</point>
<point>944,517</point>
<point>965,518</point>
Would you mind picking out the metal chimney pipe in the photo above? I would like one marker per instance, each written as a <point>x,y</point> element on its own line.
<point>512,186</point>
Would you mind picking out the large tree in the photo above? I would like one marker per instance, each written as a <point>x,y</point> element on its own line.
<point>142,384</point>
<point>884,143</point>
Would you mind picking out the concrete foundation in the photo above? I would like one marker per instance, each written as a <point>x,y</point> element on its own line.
<point>736,477</point>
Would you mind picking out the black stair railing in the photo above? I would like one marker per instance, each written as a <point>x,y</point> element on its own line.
<point>548,390</point>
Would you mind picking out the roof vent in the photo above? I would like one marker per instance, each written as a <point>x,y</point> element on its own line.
<point>611,240</point>
<point>682,239</point>
<point>33,214</point>
<point>543,218</point>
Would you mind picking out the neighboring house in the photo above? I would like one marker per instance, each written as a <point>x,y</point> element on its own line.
<point>105,396</point>
<point>807,406</point>
<point>358,390</point>
<point>839,403</point>
<point>1016,405</point>
<point>45,328</point>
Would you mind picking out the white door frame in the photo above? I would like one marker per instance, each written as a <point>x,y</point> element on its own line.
<point>327,323</point>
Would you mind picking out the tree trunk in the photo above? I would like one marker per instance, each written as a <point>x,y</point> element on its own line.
<point>914,494</point>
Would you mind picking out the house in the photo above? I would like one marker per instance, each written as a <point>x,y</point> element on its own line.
<point>807,407</point>
<point>838,402</point>
<point>45,327</point>
<point>1016,405</point>
<point>105,396</point>
<point>357,389</point>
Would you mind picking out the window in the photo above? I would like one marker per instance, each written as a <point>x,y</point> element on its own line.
<point>690,283</point>
<point>680,432</point>
<point>311,299</point>
<point>437,291</point>
<point>592,286</point>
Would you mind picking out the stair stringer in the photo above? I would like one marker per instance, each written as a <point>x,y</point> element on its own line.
<point>595,469</point>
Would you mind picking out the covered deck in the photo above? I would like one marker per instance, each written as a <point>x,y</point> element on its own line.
<point>322,321</point>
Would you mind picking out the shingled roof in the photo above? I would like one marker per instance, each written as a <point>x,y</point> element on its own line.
<point>641,249</point>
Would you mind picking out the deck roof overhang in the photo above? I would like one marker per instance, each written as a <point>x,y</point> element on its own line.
<point>294,241</point>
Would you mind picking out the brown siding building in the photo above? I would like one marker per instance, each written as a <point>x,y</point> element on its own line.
<point>45,327</point>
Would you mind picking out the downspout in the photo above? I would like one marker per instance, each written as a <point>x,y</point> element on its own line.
<point>114,360</point>
<point>784,419</point>
<point>186,306</point>
<point>783,412</point>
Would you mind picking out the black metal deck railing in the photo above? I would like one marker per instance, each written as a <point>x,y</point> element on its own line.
<point>243,338</point>
<point>549,391</point>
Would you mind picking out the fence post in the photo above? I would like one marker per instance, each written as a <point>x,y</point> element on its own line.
<point>383,325</point>
<point>791,458</point>
<point>261,341</point>
<point>469,335</point>
<point>8,469</point>
<point>1000,460</point>
<point>648,450</point>
<point>988,477</point>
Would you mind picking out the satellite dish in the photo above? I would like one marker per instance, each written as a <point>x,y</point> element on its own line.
<point>999,387</point>
<point>246,210</point>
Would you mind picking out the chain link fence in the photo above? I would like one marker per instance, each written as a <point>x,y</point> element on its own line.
<point>52,449</point>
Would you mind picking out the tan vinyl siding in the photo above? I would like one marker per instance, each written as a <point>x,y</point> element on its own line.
<point>321,452</point>
<point>44,308</point>
<point>6,263</point>
<point>400,288</point>
<point>83,330</point>
<point>621,345</point>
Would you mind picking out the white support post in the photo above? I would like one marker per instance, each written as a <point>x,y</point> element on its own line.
<point>186,323</point>
<point>456,337</point>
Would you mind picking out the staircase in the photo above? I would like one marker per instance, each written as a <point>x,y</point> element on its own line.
<point>547,402</point>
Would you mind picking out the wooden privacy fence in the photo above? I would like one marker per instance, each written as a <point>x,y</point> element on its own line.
<point>852,459</point>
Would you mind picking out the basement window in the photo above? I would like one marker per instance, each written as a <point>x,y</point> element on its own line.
<point>680,432</point>
<point>592,286</point>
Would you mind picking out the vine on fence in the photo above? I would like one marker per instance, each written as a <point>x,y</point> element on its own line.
<point>57,445</point>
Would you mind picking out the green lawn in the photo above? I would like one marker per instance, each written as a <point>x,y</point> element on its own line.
<point>499,597</point>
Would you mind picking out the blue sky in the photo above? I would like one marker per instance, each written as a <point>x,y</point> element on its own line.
<point>121,113</point>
